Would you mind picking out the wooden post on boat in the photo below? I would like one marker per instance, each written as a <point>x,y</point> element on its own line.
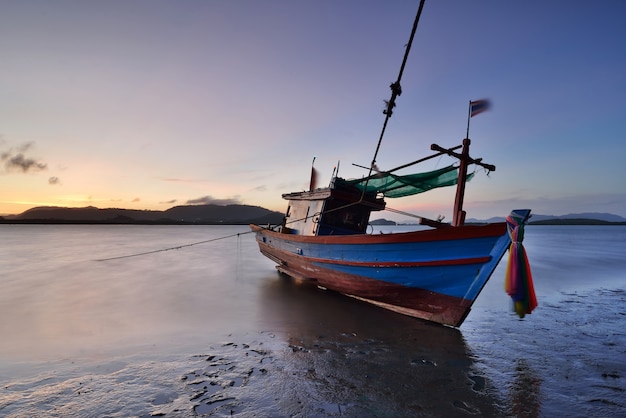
<point>458,217</point>
<point>313,182</point>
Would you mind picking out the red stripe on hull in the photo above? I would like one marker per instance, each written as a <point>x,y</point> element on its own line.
<point>441,234</point>
<point>419,303</point>
<point>374,264</point>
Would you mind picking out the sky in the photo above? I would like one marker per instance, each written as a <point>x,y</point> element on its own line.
<point>147,104</point>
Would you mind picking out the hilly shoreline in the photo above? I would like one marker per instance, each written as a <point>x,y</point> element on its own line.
<point>177,215</point>
<point>236,215</point>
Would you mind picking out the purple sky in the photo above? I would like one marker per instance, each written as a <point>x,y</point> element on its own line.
<point>151,104</point>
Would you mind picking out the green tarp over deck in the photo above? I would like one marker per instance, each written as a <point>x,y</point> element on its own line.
<point>391,185</point>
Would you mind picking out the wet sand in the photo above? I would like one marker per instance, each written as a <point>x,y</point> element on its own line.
<point>359,363</point>
<point>321,354</point>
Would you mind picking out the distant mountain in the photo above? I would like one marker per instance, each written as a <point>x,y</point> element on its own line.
<point>572,218</point>
<point>608,217</point>
<point>194,214</point>
<point>221,214</point>
<point>89,213</point>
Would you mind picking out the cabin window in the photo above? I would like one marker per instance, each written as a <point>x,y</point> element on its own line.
<point>340,220</point>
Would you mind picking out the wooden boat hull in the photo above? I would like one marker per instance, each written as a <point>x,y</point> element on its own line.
<point>433,274</point>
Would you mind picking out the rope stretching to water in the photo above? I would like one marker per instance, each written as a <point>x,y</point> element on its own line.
<point>178,247</point>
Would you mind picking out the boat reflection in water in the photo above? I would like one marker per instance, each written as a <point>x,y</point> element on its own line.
<point>347,357</point>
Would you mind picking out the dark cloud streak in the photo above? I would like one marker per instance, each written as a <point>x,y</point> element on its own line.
<point>19,161</point>
<point>25,147</point>
<point>209,200</point>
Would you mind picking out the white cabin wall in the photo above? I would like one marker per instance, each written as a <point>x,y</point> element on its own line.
<point>301,217</point>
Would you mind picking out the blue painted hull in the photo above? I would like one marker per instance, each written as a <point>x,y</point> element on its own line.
<point>435,274</point>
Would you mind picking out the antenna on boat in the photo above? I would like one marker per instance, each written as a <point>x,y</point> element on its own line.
<point>335,173</point>
<point>313,182</point>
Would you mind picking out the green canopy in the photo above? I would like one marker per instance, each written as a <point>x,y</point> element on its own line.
<point>391,185</point>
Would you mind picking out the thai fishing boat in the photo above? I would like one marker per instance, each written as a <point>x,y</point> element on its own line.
<point>435,274</point>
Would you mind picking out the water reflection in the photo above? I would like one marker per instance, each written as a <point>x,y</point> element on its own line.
<point>350,358</point>
<point>525,392</point>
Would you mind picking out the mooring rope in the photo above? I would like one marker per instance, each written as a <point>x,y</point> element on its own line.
<point>178,247</point>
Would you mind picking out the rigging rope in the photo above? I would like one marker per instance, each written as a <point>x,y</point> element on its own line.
<point>396,89</point>
<point>401,212</point>
<point>178,247</point>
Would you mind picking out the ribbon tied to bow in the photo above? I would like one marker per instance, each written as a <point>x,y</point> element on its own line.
<point>518,281</point>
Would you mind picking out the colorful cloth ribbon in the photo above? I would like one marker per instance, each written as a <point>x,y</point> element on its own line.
<point>519,280</point>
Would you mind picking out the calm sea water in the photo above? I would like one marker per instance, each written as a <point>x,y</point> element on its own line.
<point>212,330</point>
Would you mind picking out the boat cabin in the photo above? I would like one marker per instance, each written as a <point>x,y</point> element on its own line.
<point>340,209</point>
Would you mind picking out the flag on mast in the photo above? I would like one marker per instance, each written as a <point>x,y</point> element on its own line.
<point>478,106</point>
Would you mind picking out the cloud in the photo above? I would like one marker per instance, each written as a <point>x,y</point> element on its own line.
<point>169,202</point>
<point>54,180</point>
<point>25,146</point>
<point>209,200</point>
<point>179,180</point>
<point>18,161</point>
<point>135,200</point>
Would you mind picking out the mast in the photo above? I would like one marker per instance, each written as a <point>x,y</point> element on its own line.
<point>458,217</point>
<point>396,90</point>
